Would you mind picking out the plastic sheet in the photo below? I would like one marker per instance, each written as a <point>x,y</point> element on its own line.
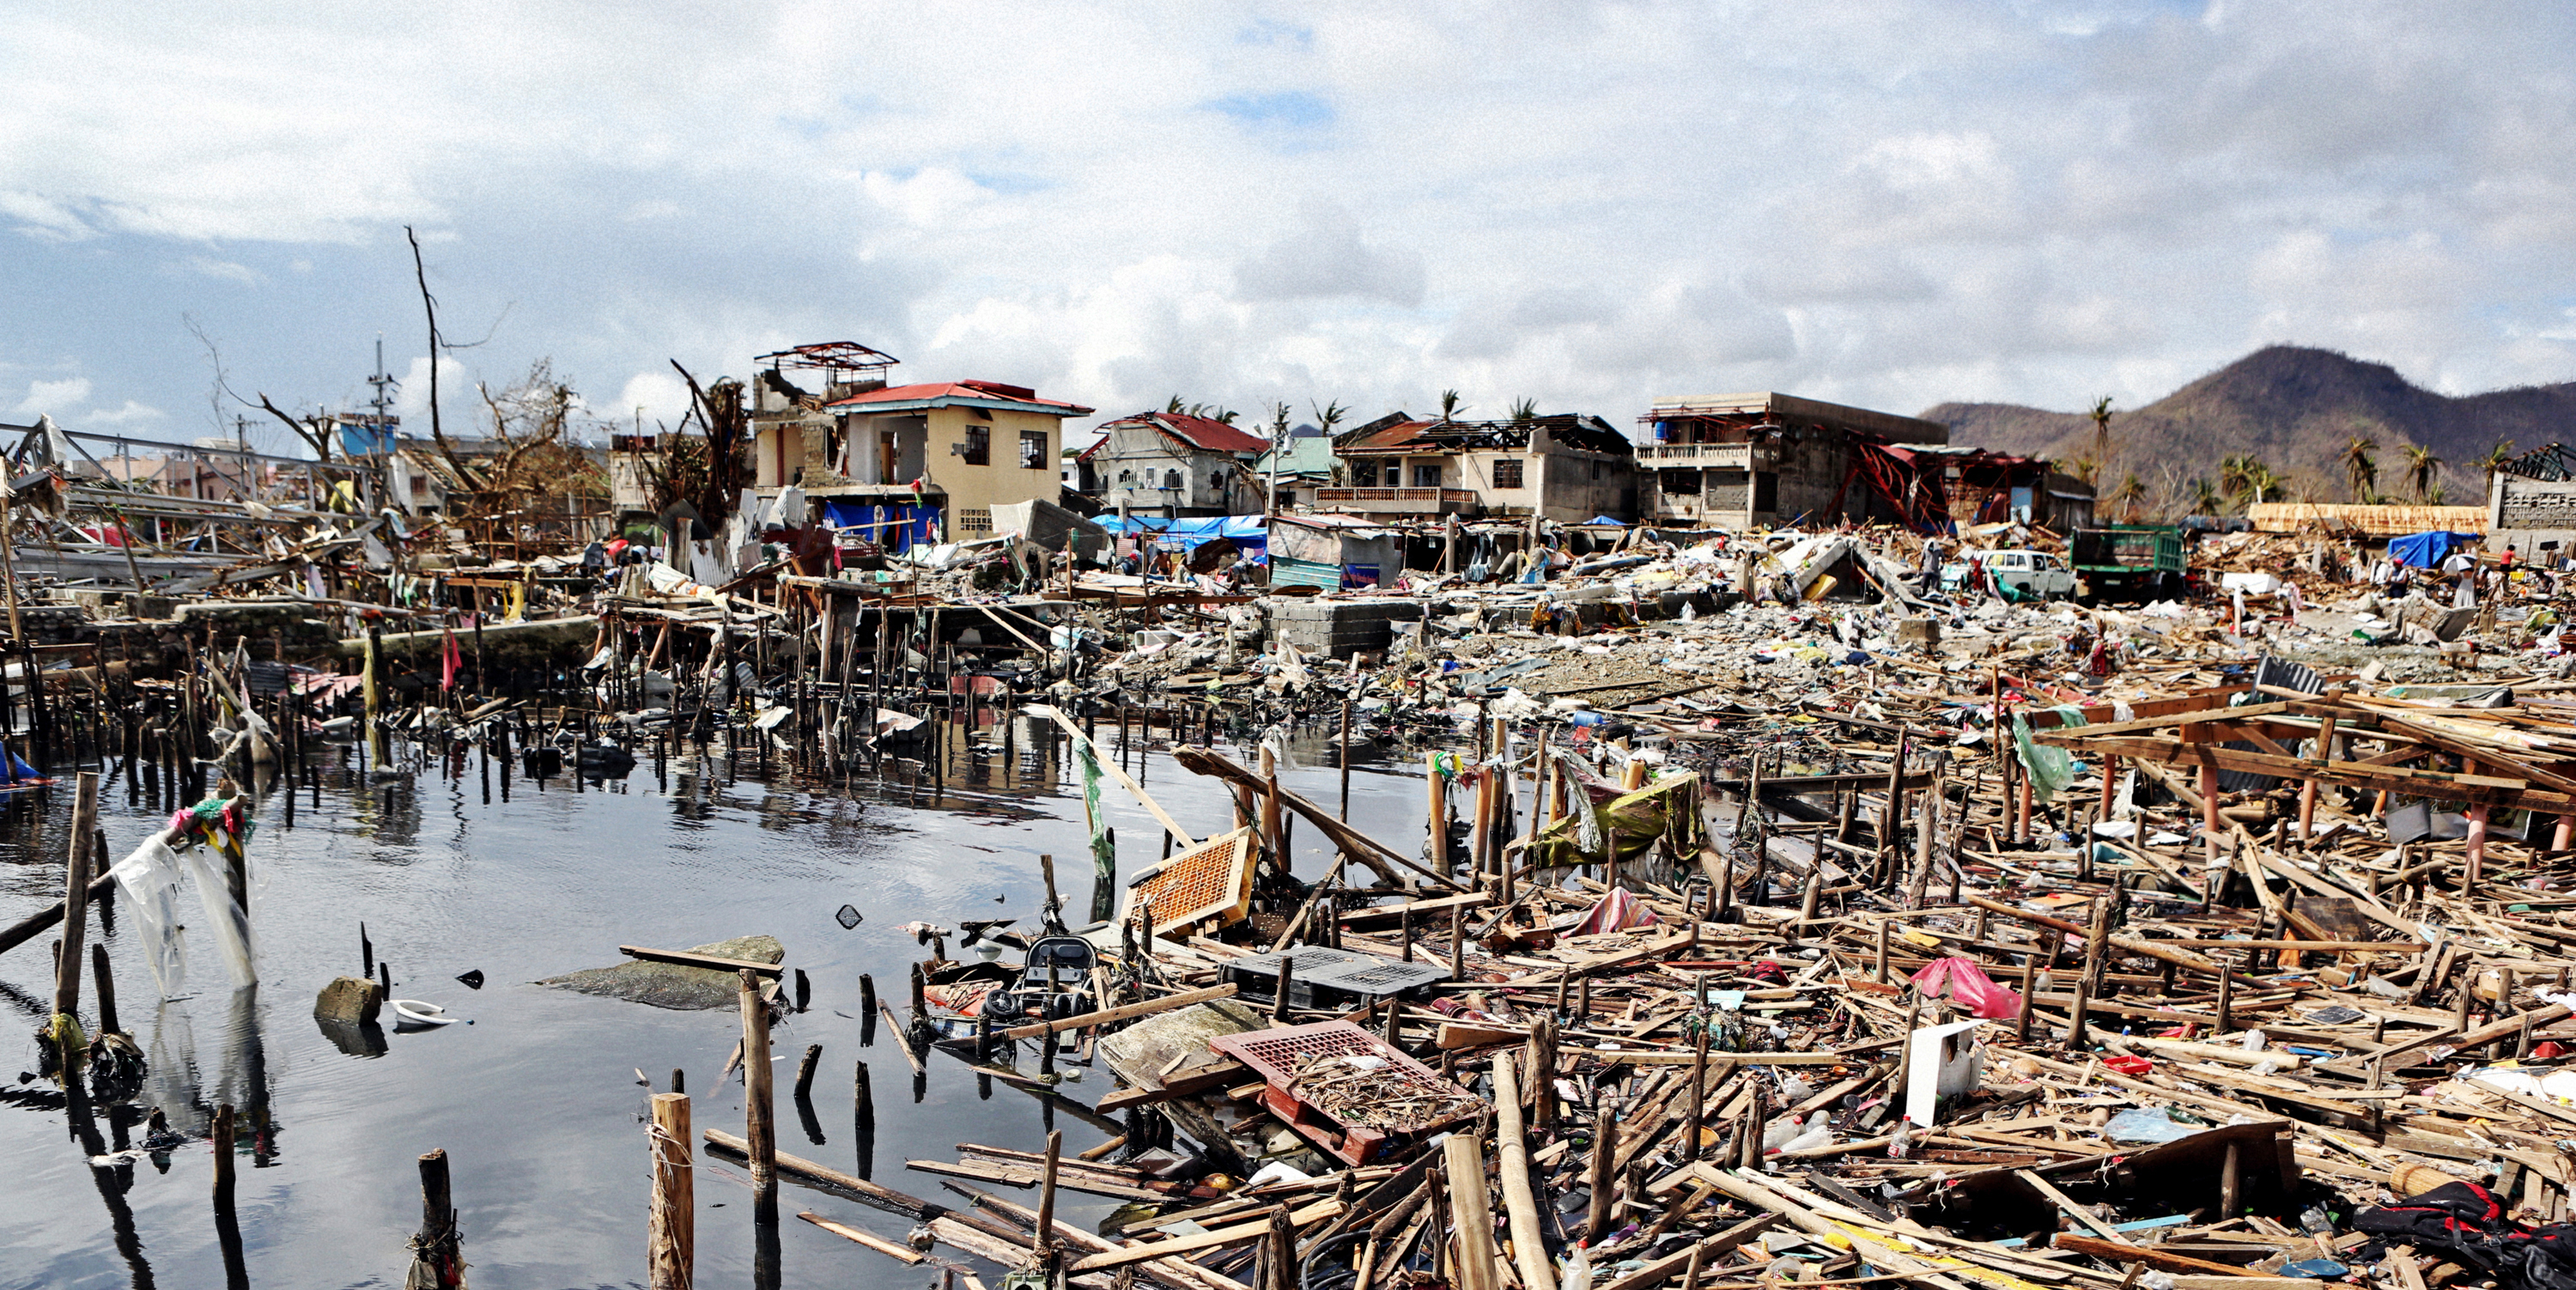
<point>150,879</point>
<point>2051,769</point>
<point>1969,984</point>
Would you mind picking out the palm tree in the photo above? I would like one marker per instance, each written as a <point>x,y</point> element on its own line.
<point>2102,429</point>
<point>1328,416</point>
<point>2262,481</point>
<point>2497,458</point>
<point>2422,468</point>
<point>2131,494</point>
<point>2360,468</point>
<point>1450,407</point>
<point>2204,497</point>
<point>1525,410</point>
<point>2083,468</point>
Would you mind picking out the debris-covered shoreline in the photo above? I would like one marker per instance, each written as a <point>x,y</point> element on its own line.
<point>1819,907</point>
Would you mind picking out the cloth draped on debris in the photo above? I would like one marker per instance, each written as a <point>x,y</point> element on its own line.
<point>1964,981</point>
<point>1602,819</point>
<point>2467,1222</point>
<point>2051,769</point>
<point>1616,912</point>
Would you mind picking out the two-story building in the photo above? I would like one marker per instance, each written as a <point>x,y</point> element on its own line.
<point>1764,460</point>
<point>942,454</point>
<point>1174,465</point>
<point>1565,467</point>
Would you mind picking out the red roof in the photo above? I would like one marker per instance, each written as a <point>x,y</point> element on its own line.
<point>1199,432</point>
<point>976,391</point>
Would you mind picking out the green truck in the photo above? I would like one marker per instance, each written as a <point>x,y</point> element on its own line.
<point>2129,563</point>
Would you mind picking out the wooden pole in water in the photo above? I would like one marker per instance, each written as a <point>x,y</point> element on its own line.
<point>67,971</point>
<point>1046,1193</point>
<point>1439,789</point>
<point>368,685</point>
<point>758,1125</point>
<point>1346,758</point>
<point>670,1249</point>
<point>106,990</point>
<point>863,1101</point>
<point>437,1261</point>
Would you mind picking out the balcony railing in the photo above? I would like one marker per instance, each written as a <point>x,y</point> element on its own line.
<point>1397,499</point>
<point>1725,456</point>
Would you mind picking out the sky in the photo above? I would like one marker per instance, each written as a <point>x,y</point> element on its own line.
<point>1586,205</point>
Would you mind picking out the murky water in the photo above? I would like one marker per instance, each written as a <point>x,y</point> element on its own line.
<point>462,867</point>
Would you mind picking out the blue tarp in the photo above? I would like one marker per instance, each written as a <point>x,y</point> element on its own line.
<point>894,527</point>
<point>1246,531</point>
<point>2426,550</point>
<point>1604,519</point>
<point>1132,524</point>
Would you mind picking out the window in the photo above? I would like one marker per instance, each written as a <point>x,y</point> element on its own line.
<point>1596,472</point>
<point>1507,473</point>
<point>1426,474</point>
<point>971,520</point>
<point>979,446</point>
<point>1126,476</point>
<point>1171,479</point>
<point>1033,450</point>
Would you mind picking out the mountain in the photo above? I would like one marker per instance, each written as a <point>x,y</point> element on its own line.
<point>2295,409</point>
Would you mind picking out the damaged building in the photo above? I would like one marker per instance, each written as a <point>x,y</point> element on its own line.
<point>1174,465</point>
<point>931,459</point>
<point>1565,467</point>
<point>1763,460</point>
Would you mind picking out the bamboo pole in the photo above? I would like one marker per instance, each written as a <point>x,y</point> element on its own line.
<point>1520,1201</point>
<point>1471,1214</point>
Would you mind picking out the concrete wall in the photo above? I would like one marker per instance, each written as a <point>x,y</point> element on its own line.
<point>1339,628</point>
<point>973,491</point>
<point>2525,513</point>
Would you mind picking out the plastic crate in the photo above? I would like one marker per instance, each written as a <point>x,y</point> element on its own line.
<point>1373,978</point>
<point>1258,974</point>
<point>1212,880</point>
<point>1276,1055</point>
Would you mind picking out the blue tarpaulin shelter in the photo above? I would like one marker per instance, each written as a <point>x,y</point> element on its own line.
<point>1604,519</point>
<point>2426,550</point>
<point>1245,531</point>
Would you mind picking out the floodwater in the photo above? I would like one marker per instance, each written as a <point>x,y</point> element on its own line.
<point>465,866</point>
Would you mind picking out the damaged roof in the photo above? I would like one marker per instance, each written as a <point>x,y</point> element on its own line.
<point>1206,434</point>
<point>959,394</point>
<point>1397,434</point>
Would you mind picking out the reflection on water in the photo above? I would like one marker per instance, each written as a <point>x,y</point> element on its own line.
<point>458,861</point>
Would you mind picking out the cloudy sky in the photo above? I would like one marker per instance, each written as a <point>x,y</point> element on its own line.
<point>1589,205</point>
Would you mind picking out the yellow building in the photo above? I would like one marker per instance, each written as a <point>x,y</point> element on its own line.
<point>867,453</point>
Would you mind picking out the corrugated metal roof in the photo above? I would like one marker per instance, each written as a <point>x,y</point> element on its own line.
<point>1200,432</point>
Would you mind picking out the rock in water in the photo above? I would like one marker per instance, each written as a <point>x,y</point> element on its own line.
<point>668,985</point>
<point>349,1000</point>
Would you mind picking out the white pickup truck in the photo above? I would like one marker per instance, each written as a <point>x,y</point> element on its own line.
<point>2033,575</point>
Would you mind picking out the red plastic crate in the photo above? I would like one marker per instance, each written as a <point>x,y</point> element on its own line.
<point>1276,1053</point>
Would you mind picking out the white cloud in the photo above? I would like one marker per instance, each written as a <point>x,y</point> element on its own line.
<point>132,414</point>
<point>659,397</point>
<point>1883,201</point>
<point>50,397</point>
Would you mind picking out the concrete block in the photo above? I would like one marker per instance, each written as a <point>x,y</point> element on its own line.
<point>1924,632</point>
